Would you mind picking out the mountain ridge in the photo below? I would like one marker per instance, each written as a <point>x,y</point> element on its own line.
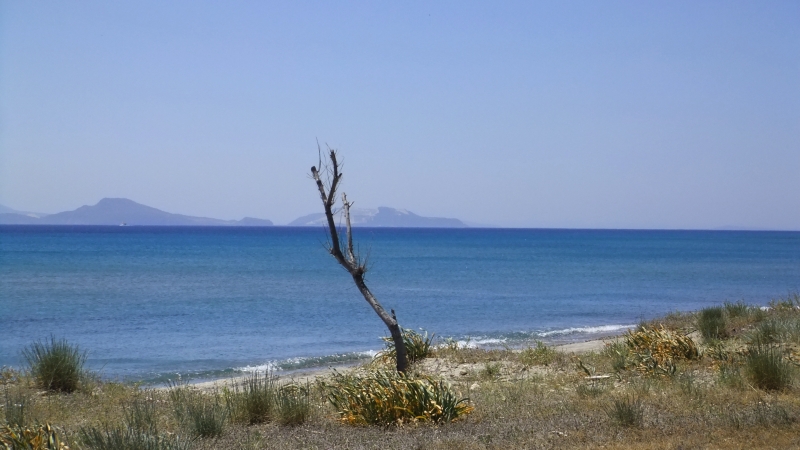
<point>382,216</point>
<point>123,211</point>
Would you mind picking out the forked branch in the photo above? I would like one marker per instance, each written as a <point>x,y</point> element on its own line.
<point>351,262</point>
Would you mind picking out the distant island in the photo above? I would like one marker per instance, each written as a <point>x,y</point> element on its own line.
<point>119,211</point>
<point>382,217</point>
<point>122,211</point>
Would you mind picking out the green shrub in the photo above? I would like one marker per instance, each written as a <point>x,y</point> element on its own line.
<point>253,400</point>
<point>712,323</point>
<point>55,365</point>
<point>418,346</point>
<point>387,397</point>
<point>766,367</point>
<point>293,404</point>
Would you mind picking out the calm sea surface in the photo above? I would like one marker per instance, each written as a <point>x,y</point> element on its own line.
<point>151,302</point>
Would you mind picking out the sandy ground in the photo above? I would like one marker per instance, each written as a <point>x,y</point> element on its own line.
<point>438,366</point>
<point>585,347</point>
<point>298,377</point>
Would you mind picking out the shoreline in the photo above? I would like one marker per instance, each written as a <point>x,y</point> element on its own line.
<point>313,374</point>
<point>575,339</point>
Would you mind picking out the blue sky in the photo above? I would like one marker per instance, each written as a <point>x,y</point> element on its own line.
<point>528,114</point>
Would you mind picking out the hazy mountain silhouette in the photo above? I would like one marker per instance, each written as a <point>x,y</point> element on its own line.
<point>119,211</point>
<point>6,210</point>
<point>381,217</point>
<point>17,219</point>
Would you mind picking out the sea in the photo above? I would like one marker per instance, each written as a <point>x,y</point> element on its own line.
<point>154,304</point>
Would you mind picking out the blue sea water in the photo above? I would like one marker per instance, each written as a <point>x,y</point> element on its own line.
<point>148,303</point>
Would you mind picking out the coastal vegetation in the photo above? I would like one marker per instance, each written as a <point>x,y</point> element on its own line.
<point>661,385</point>
<point>385,397</point>
<point>418,346</point>
<point>56,365</point>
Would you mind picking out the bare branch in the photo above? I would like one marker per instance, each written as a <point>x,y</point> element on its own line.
<point>351,263</point>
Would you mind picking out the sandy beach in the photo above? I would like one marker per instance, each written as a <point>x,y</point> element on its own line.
<point>448,371</point>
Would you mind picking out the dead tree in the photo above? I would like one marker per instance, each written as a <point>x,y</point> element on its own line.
<point>352,262</point>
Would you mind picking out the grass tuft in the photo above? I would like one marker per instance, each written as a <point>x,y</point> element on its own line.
<point>619,352</point>
<point>588,390</point>
<point>253,400</point>
<point>201,414</point>
<point>736,310</point>
<point>777,329</point>
<point>141,415</point>
<point>293,404</point>
<point>139,431</point>
<point>540,355</point>
<point>55,365</point>
<point>767,332</point>
<point>260,399</point>
<point>121,438</point>
<point>626,411</point>
<point>418,346</point>
<point>766,367</point>
<point>712,323</point>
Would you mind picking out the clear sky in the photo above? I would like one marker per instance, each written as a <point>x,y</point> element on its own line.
<point>530,114</point>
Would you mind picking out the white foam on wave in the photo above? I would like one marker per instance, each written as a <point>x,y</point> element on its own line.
<point>261,368</point>
<point>321,361</point>
<point>475,343</point>
<point>586,330</point>
<point>307,362</point>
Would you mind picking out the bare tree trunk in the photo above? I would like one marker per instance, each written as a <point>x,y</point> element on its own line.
<point>352,262</point>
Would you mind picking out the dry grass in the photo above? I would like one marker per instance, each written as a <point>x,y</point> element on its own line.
<point>533,398</point>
